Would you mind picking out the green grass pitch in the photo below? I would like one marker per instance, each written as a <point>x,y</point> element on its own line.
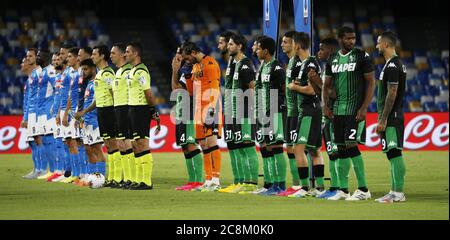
<point>426,188</point>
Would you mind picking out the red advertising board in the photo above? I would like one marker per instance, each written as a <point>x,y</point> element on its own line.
<point>423,131</point>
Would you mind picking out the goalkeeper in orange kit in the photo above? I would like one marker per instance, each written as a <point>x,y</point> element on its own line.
<point>207,111</point>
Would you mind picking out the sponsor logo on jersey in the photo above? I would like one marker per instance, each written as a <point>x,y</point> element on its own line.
<point>347,67</point>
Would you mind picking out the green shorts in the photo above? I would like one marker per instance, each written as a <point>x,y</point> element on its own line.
<point>392,138</point>
<point>273,133</point>
<point>309,129</point>
<point>244,131</point>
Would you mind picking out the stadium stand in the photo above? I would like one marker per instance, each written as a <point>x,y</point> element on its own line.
<point>40,28</point>
<point>427,71</point>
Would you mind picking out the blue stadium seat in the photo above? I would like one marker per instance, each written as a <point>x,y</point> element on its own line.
<point>431,90</point>
<point>430,107</point>
<point>442,107</point>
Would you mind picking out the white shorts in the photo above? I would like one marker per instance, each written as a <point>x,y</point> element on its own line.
<point>71,131</point>
<point>83,135</point>
<point>32,125</point>
<point>46,126</point>
<point>41,119</point>
<point>92,135</point>
<point>50,126</point>
<point>58,133</point>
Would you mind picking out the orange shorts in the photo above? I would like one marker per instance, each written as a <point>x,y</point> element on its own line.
<point>201,132</point>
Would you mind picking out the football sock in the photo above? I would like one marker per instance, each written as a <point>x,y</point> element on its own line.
<point>358,167</point>
<point>294,170</point>
<point>333,173</point>
<point>216,160</point>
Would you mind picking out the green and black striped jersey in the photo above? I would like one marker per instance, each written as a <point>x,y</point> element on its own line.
<point>394,72</point>
<point>347,73</point>
<point>291,97</point>
<point>244,73</point>
<point>229,86</point>
<point>304,100</point>
<point>271,76</point>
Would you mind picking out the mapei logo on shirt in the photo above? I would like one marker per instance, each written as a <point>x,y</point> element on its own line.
<point>340,68</point>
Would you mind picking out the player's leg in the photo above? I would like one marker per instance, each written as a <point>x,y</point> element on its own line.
<point>32,174</point>
<point>302,167</point>
<point>234,154</point>
<point>290,136</point>
<point>331,149</point>
<point>185,137</point>
<point>314,143</point>
<point>392,143</point>
<point>355,135</point>
<point>248,152</point>
<point>344,161</point>
<point>216,157</point>
<point>276,147</point>
<point>74,160</point>
<point>43,161</point>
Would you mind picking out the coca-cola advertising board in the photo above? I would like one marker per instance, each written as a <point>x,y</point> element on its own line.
<point>423,131</point>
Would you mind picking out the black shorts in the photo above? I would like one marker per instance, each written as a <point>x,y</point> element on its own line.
<point>348,131</point>
<point>106,122</point>
<point>140,122</point>
<point>185,133</point>
<point>123,122</point>
<point>228,130</point>
<point>290,133</point>
<point>392,137</point>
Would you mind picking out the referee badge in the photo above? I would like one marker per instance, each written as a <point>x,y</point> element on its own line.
<point>142,80</point>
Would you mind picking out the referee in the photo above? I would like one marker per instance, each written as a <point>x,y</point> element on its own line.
<point>105,109</point>
<point>141,112</point>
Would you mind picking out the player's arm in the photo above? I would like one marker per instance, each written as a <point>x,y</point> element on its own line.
<point>315,79</point>
<point>176,65</point>
<point>327,89</point>
<point>24,123</point>
<point>65,120</point>
<point>307,90</point>
<point>369,77</point>
<point>391,75</point>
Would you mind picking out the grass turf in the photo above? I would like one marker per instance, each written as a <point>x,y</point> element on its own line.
<point>426,188</point>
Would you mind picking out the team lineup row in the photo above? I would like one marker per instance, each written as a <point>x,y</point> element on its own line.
<point>67,123</point>
<point>60,105</point>
<point>295,119</point>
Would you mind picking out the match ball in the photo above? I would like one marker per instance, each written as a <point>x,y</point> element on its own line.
<point>96,180</point>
